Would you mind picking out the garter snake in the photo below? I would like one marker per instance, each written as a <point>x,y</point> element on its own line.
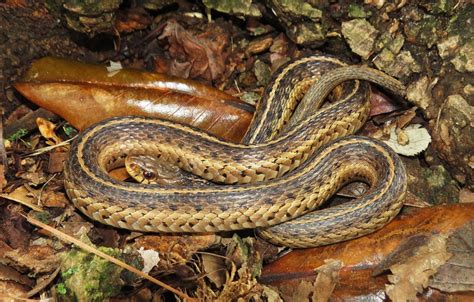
<point>272,179</point>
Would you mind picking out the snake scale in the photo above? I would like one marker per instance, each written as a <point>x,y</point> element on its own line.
<point>275,181</point>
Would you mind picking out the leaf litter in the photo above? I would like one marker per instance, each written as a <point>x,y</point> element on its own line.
<point>233,271</point>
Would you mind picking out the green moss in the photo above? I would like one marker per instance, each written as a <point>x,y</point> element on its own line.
<point>44,217</point>
<point>87,277</point>
<point>457,24</point>
<point>61,289</point>
<point>428,30</point>
<point>439,6</point>
<point>237,7</point>
<point>357,11</point>
<point>19,134</point>
<point>69,130</point>
<point>299,8</point>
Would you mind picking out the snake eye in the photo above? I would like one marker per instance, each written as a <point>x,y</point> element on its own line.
<point>148,174</point>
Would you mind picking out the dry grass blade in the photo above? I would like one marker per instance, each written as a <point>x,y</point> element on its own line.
<point>49,148</point>
<point>40,286</point>
<point>23,202</point>
<point>94,251</point>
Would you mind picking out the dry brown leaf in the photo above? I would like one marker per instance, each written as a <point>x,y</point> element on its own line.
<point>259,45</point>
<point>3,180</point>
<point>204,52</point>
<point>34,174</point>
<point>407,116</point>
<point>25,196</point>
<point>411,277</point>
<point>328,276</point>
<point>132,19</point>
<point>56,161</point>
<point>54,199</point>
<point>319,290</point>
<point>3,158</point>
<point>366,259</point>
<point>414,201</point>
<point>300,292</point>
<point>18,113</point>
<point>12,292</point>
<point>36,258</point>
<point>215,269</point>
<point>84,94</point>
<point>457,274</point>
<point>10,274</point>
<point>179,249</point>
<point>46,129</point>
<point>76,228</point>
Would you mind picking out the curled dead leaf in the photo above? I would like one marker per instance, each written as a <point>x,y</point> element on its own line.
<point>46,129</point>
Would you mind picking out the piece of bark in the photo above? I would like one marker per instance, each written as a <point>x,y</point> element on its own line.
<point>368,255</point>
<point>84,94</point>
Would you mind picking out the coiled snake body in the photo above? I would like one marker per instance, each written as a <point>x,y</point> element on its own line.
<point>274,182</point>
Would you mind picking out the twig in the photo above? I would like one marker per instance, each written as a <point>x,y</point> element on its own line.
<point>43,187</point>
<point>42,285</point>
<point>103,255</point>
<point>3,154</point>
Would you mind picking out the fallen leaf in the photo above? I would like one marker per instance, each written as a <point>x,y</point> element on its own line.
<point>84,94</point>
<point>8,273</point>
<point>36,258</point>
<point>299,292</point>
<point>364,260</point>
<point>54,199</point>
<point>328,276</point>
<point>24,196</point>
<point>271,294</point>
<point>417,138</point>
<point>179,249</point>
<point>414,201</point>
<point>17,114</point>
<point>132,19</point>
<point>12,291</point>
<point>205,52</point>
<point>31,171</point>
<point>411,276</point>
<point>406,117</point>
<point>319,290</point>
<point>56,161</point>
<point>457,274</point>
<point>46,129</point>
<point>215,269</point>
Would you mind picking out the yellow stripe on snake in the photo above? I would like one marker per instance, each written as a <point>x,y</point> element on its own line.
<point>275,181</point>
